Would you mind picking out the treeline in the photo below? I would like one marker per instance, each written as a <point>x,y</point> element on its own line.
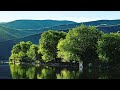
<point>84,44</point>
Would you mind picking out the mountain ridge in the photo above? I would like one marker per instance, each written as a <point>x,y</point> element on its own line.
<point>35,24</point>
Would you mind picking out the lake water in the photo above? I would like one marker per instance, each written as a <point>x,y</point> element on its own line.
<point>27,71</point>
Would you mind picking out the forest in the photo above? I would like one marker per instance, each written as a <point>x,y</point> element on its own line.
<point>83,44</point>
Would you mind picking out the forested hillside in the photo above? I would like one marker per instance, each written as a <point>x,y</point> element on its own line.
<point>30,30</point>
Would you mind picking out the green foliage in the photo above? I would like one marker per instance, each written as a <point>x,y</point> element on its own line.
<point>109,48</point>
<point>18,53</point>
<point>48,43</point>
<point>79,44</point>
<point>33,54</point>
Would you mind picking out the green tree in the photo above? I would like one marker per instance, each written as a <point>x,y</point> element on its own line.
<point>48,43</point>
<point>79,45</point>
<point>25,46</point>
<point>109,48</point>
<point>19,52</point>
<point>33,54</point>
<point>16,49</point>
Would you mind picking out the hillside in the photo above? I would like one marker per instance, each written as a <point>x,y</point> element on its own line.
<point>106,26</point>
<point>23,28</point>
<point>8,34</point>
<point>111,28</point>
<point>35,24</point>
<point>31,27</point>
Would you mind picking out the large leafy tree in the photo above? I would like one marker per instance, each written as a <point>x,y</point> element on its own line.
<point>19,52</point>
<point>48,43</point>
<point>79,44</point>
<point>109,48</point>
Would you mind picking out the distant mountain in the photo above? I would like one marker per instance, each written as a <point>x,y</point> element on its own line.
<point>106,26</point>
<point>23,28</point>
<point>41,24</point>
<point>103,22</point>
<point>108,29</point>
<point>35,24</point>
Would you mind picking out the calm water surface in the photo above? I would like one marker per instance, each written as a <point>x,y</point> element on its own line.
<point>27,71</point>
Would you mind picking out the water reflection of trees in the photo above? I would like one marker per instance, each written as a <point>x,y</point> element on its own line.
<point>22,71</point>
<point>67,74</point>
<point>110,73</point>
<point>46,73</point>
<point>39,72</point>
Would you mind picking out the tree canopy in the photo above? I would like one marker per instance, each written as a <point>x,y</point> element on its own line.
<point>109,48</point>
<point>48,43</point>
<point>24,52</point>
<point>79,44</point>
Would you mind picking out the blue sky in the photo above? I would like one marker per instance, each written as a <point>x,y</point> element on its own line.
<point>77,16</point>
